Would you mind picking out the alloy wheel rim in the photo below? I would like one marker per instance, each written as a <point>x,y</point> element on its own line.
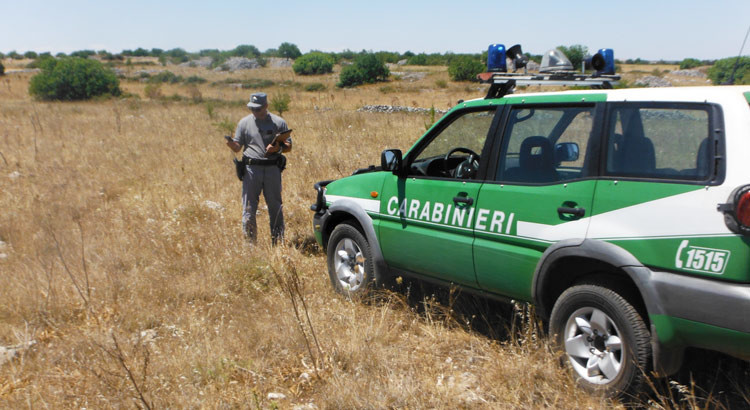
<point>594,345</point>
<point>349,264</point>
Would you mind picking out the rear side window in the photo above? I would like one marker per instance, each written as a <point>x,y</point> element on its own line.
<point>545,145</point>
<point>669,142</point>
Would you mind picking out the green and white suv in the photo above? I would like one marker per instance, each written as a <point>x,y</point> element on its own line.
<point>622,215</point>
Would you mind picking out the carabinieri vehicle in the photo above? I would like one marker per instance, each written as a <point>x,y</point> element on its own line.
<point>622,215</point>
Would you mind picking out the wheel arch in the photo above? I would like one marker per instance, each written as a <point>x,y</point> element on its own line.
<point>577,261</point>
<point>347,210</point>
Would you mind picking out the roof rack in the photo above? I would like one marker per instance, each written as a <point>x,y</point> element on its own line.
<point>505,83</point>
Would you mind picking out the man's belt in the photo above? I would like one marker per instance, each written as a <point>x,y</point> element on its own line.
<point>254,161</point>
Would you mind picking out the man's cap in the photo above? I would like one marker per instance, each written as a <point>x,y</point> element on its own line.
<point>257,100</point>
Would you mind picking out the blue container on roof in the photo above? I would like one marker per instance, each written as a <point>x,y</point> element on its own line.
<point>496,58</point>
<point>609,61</point>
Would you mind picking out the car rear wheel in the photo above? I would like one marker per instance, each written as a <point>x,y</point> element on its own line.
<point>605,340</point>
<point>350,265</point>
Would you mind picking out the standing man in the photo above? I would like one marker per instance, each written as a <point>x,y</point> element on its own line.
<point>255,134</point>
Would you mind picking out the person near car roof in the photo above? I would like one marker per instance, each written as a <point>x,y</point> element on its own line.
<point>256,136</point>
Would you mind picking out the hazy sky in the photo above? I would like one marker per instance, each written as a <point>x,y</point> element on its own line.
<point>655,29</point>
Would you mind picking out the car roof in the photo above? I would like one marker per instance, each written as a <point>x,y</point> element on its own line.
<point>674,94</point>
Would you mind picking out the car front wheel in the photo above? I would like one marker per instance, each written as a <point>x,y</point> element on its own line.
<point>605,340</point>
<point>350,266</point>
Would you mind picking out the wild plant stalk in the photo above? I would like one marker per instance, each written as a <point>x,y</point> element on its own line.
<point>288,286</point>
<point>120,358</point>
<point>67,270</point>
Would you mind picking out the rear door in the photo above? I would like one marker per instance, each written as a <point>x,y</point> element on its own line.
<point>663,177</point>
<point>540,192</point>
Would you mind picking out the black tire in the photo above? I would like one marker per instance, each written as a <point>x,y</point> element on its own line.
<point>350,266</point>
<point>605,340</point>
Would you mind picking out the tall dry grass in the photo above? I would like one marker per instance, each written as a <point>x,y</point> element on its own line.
<point>127,281</point>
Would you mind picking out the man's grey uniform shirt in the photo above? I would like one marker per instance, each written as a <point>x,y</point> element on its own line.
<point>255,135</point>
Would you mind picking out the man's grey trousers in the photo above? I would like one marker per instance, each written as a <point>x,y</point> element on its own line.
<point>266,178</point>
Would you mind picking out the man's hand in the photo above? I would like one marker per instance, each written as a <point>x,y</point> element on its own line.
<point>272,148</point>
<point>233,145</point>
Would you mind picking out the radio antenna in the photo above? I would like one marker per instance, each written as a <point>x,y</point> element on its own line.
<point>737,63</point>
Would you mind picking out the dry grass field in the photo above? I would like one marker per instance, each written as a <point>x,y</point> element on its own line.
<point>126,282</point>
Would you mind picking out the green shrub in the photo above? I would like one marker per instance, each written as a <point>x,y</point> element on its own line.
<point>367,69</point>
<point>313,63</point>
<point>373,69</point>
<point>350,76</point>
<point>165,77</point>
<point>465,68</point>
<point>153,91</point>
<point>722,69</point>
<point>73,79</point>
<point>575,53</point>
<point>2,69</point>
<point>245,50</point>
<point>280,103</point>
<point>194,79</point>
<point>30,54</point>
<point>315,87</point>
<point>83,53</point>
<point>38,62</point>
<point>289,50</point>
<point>441,83</point>
<point>689,63</point>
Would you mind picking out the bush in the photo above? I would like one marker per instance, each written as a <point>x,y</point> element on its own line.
<point>289,50</point>
<point>373,69</point>
<point>83,53</point>
<point>73,79</point>
<point>313,63</point>
<point>367,68</point>
<point>350,76</point>
<point>465,68</point>
<point>575,53</point>
<point>690,63</point>
<point>315,87</point>
<point>165,77</point>
<point>722,69</point>
<point>30,54</point>
<point>280,103</point>
<point>194,79</point>
<point>245,50</point>
<point>153,91</point>
<point>39,62</point>
<point>2,69</point>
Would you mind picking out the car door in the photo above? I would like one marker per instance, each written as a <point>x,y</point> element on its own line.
<point>540,192</point>
<point>428,214</point>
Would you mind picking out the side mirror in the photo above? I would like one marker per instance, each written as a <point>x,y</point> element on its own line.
<point>566,151</point>
<point>390,160</point>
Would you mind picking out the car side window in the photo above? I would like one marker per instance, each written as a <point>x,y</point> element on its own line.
<point>658,142</point>
<point>545,145</point>
<point>455,152</point>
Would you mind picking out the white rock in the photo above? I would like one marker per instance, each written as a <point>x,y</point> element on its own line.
<point>213,205</point>
<point>14,175</point>
<point>276,396</point>
<point>148,335</point>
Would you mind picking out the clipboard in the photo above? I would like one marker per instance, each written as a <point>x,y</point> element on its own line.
<point>282,137</point>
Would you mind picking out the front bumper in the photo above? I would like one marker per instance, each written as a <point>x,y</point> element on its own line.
<point>321,211</point>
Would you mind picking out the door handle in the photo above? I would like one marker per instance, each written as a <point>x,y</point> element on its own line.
<point>576,212</point>
<point>464,200</point>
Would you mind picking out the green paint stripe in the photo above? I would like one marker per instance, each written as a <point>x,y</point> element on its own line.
<point>747,97</point>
